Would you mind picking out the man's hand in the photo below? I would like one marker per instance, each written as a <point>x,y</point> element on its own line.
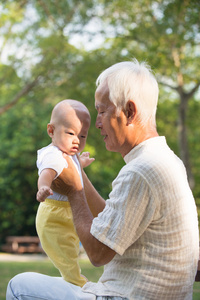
<point>68,181</point>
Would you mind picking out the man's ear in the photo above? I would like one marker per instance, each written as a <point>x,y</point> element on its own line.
<point>50,130</point>
<point>130,111</point>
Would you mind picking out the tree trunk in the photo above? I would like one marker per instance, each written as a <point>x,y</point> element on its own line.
<point>182,137</point>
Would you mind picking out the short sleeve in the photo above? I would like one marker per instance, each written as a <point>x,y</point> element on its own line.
<point>128,212</point>
<point>51,159</point>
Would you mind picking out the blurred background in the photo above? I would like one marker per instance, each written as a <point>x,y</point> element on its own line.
<point>54,50</point>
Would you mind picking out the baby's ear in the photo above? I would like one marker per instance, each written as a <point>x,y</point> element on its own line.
<point>50,129</point>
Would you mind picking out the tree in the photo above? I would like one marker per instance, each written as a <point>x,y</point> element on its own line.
<point>166,34</point>
<point>34,43</point>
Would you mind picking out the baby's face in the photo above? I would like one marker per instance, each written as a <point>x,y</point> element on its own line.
<point>70,135</point>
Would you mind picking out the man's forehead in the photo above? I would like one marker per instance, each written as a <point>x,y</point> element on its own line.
<point>102,96</point>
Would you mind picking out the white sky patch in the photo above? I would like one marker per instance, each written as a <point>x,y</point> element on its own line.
<point>89,37</point>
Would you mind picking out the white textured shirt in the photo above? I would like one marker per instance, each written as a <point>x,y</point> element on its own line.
<point>150,220</point>
<point>51,157</point>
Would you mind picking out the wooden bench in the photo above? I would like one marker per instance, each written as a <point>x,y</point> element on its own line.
<point>22,244</point>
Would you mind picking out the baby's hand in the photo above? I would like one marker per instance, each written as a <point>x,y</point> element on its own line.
<point>85,160</point>
<point>43,193</point>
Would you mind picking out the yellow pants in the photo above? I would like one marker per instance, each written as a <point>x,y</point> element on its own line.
<point>55,228</point>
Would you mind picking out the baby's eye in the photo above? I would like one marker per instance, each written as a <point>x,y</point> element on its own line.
<point>83,136</point>
<point>70,133</point>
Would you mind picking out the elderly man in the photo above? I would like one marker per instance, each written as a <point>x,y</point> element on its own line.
<point>146,233</point>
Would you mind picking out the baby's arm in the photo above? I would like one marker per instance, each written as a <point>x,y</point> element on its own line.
<point>85,160</point>
<point>44,183</point>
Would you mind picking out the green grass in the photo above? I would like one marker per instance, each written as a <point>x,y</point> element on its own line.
<point>10,269</point>
<point>196,291</point>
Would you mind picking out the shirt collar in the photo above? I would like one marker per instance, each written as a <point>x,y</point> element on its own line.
<point>134,152</point>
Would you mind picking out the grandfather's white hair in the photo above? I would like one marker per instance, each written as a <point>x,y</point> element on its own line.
<point>131,80</point>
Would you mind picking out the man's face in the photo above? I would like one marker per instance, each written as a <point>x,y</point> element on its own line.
<point>112,125</point>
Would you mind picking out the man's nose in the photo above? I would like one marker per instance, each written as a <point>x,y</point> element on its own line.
<point>98,123</point>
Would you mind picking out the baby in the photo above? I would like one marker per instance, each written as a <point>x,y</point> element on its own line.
<point>68,130</point>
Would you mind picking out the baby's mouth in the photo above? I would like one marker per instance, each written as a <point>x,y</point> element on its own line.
<point>74,149</point>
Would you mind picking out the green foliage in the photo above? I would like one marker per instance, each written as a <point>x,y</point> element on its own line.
<point>194,143</point>
<point>20,138</point>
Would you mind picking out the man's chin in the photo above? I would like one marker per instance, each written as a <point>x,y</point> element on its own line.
<point>109,148</point>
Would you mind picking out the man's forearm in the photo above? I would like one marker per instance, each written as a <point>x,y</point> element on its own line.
<point>98,253</point>
<point>95,201</point>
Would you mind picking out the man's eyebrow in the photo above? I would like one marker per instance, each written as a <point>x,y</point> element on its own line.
<point>97,106</point>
